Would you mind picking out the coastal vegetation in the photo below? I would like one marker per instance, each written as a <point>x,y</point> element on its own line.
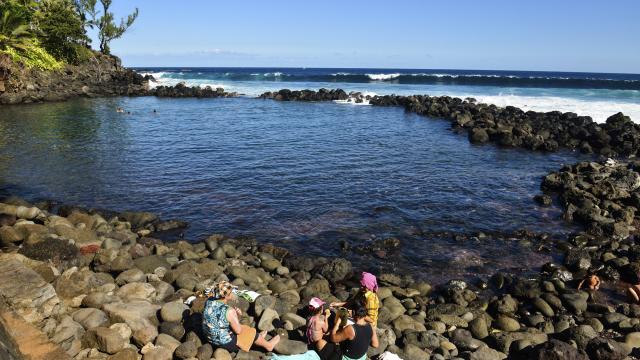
<point>47,34</point>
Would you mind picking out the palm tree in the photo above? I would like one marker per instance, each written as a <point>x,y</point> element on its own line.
<point>14,32</point>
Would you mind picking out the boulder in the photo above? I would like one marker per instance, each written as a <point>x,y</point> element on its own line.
<point>186,350</point>
<point>168,342</point>
<point>138,315</point>
<point>149,263</point>
<point>104,339</point>
<point>157,353</point>
<point>290,347</point>
<point>336,270</point>
<point>26,291</point>
<point>90,318</point>
<point>131,276</point>
<point>486,353</point>
<point>173,311</point>
<point>267,318</point>
<point>136,291</point>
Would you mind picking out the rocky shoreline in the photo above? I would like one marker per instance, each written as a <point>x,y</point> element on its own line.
<point>507,127</point>
<point>96,284</point>
<point>107,289</point>
<point>102,76</point>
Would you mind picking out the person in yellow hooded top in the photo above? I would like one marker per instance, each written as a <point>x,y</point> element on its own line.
<point>368,295</point>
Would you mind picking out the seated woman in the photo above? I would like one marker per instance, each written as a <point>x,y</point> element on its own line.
<point>352,341</point>
<point>368,295</point>
<point>221,325</point>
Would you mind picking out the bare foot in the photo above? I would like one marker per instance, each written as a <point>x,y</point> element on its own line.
<point>272,343</point>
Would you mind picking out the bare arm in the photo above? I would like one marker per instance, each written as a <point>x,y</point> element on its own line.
<point>346,333</point>
<point>232,316</point>
<point>325,323</point>
<point>374,338</point>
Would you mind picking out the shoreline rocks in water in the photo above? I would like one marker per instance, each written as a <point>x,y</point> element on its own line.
<point>306,95</point>
<point>181,90</point>
<point>107,292</point>
<point>508,126</point>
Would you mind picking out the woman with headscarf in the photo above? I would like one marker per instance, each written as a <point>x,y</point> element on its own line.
<point>222,327</point>
<point>351,342</point>
<point>366,295</point>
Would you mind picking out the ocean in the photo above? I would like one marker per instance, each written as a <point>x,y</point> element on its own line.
<point>598,95</point>
<point>315,178</point>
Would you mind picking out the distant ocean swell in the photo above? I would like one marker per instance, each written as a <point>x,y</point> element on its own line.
<point>591,94</point>
<point>506,80</point>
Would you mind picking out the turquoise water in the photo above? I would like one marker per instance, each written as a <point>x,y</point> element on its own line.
<point>591,94</point>
<point>307,176</point>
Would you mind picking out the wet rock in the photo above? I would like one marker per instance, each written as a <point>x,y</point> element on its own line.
<point>543,199</point>
<point>478,135</point>
<point>576,302</point>
<point>336,270</point>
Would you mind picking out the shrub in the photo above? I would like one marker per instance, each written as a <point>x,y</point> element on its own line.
<point>34,57</point>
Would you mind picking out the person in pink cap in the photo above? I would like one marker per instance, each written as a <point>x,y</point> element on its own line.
<point>368,295</point>
<point>317,324</point>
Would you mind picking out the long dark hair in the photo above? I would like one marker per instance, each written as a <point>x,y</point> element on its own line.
<point>359,309</point>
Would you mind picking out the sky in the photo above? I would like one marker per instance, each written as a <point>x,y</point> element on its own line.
<point>558,35</point>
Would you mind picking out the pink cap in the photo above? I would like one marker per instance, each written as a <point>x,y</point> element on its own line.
<point>316,302</point>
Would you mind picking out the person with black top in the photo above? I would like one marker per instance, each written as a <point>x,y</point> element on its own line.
<point>352,341</point>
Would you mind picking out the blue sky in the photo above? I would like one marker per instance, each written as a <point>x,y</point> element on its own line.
<point>562,35</point>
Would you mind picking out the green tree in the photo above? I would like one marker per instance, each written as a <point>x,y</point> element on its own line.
<point>108,30</point>
<point>62,31</point>
<point>15,30</point>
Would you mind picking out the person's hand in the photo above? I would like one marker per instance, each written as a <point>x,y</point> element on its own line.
<point>327,312</point>
<point>238,311</point>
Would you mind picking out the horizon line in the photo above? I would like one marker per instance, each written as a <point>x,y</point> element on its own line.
<point>374,68</point>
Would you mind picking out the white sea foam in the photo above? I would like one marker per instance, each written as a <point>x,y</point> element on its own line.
<point>383,76</point>
<point>599,110</point>
<point>352,100</point>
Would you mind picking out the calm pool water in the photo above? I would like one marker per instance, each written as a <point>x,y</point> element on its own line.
<point>306,176</point>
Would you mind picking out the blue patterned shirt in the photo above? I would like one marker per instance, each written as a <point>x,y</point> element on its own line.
<point>215,325</point>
